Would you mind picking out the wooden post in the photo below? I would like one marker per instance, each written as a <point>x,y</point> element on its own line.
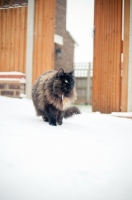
<point>126,30</point>
<point>29,50</point>
<point>130,64</point>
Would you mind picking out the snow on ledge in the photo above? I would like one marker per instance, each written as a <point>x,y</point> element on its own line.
<point>22,95</point>
<point>20,80</point>
<point>11,73</point>
<point>122,114</point>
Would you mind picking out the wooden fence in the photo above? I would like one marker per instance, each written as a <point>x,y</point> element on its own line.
<point>13,34</point>
<point>43,59</point>
<point>83,78</point>
<point>13,28</point>
<point>107,56</point>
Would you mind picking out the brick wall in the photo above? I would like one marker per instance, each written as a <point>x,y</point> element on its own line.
<point>12,84</point>
<point>66,61</point>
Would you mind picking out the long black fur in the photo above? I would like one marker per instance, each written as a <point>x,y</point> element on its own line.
<point>69,112</point>
<point>52,94</point>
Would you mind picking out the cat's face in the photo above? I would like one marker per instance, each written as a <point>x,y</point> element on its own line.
<point>64,82</point>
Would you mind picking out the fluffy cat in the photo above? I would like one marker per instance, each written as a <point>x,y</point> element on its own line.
<point>52,94</point>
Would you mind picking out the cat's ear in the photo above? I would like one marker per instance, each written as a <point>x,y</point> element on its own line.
<point>60,72</point>
<point>71,73</point>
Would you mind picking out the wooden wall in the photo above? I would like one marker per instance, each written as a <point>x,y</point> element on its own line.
<point>107,56</point>
<point>43,37</point>
<point>13,27</point>
<point>126,31</point>
<point>13,33</point>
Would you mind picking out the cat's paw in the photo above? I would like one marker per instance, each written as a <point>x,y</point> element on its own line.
<point>45,119</point>
<point>59,123</point>
<point>52,122</point>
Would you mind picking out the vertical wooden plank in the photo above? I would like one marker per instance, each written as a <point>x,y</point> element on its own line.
<point>12,48</point>
<point>102,52</point>
<point>0,39</point>
<point>101,57</point>
<point>50,57</point>
<point>112,53</point>
<point>44,66</point>
<point>110,62</point>
<point>21,26</point>
<point>106,49</point>
<point>35,54</point>
<point>22,36</point>
<point>105,43</point>
<point>96,57</point>
<point>8,28</point>
<point>5,38</point>
<point>45,44</point>
<point>119,48</point>
<point>17,39</point>
<point>116,56</point>
<point>3,55</point>
<point>44,37</point>
<point>40,28</point>
<point>25,39</point>
<point>124,96</point>
<point>48,31</point>
<point>52,32</point>
<point>102,60</point>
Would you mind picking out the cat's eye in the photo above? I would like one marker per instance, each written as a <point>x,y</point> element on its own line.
<point>66,81</point>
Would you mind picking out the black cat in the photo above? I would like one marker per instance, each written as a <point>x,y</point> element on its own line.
<point>52,94</point>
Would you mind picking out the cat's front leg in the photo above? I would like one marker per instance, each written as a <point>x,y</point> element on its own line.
<point>60,117</point>
<point>52,114</point>
<point>52,122</point>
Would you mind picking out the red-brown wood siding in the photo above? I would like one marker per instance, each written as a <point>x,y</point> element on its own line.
<point>107,56</point>
<point>13,28</point>
<point>124,93</point>
<point>43,37</point>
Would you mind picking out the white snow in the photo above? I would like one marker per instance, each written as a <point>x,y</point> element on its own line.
<point>12,73</point>
<point>20,80</point>
<point>22,95</point>
<point>122,114</point>
<point>89,157</point>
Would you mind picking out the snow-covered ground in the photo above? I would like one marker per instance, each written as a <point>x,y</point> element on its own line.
<point>89,157</point>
